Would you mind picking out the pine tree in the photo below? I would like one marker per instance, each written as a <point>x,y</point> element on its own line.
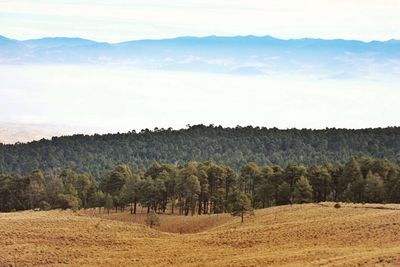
<point>108,203</point>
<point>302,191</point>
<point>239,204</point>
<point>284,194</point>
<point>374,190</point>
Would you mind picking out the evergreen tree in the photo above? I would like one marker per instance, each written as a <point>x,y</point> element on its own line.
<point>264,188</point>
<point>36,189</point>
<point>374,189</point>
<point>284,194</point>
<point>353,179</point>
<point>321,182</point>
<point>108,203</point>
<point>239,204</point>
<point>302,191</point>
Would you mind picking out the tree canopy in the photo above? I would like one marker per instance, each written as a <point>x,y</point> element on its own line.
<point>234,147</point>
<point>204,187</point>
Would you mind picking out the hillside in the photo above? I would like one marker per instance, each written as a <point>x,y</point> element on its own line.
<point>231,146</point>
<point>308,235</point>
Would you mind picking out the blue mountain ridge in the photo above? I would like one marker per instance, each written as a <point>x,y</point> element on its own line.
<point>252,54</point>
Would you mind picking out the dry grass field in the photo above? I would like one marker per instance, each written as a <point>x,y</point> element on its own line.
<point>168,222</point>
<point>301,235</point>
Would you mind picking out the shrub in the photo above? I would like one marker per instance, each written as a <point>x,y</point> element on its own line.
<point>152,219</point>
<point>67,201</point>
<point>43,205</point>
<point>337,206</point>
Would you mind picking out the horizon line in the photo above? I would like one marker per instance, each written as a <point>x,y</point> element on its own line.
<point>204,37</point>
<point>188,127</point>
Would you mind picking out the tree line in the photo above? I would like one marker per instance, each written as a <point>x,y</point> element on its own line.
<point>204,187</point>
<point>233,147</point>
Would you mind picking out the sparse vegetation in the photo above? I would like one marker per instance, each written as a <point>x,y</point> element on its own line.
<point>43,205</point>
<point>152,219</point>
<point>308,234</point>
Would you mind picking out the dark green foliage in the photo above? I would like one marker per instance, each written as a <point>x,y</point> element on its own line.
<point>67,201</point>
<point>14,193</point>
<point>303,191</point>
<point>116,179</point>
<point>374,190</point>
<point>284,195</point>
<point>239,204</point>
<point>108,202</point>
<point>231,146</point>
<point>204,187</point>
<point>36,189</point>
<point>265,188</point>
<point>321,182</point>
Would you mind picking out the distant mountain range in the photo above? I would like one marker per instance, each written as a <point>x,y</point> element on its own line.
<point>250,55</point>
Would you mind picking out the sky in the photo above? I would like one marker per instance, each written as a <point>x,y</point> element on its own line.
<point>122,20</point>
<point>46,100</point>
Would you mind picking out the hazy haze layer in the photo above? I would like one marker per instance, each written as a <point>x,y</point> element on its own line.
<point>104,99</point>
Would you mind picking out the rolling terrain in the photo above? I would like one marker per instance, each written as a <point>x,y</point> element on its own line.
<point>307,235</point>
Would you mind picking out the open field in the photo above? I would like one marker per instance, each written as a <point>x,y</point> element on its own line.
<point>308,235</point>
<point>168,222</point>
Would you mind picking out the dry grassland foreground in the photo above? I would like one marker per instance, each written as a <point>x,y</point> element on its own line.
<point>298,235</point>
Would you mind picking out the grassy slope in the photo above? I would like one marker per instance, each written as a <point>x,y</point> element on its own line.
<point>291,236</point>
<point>168,222</point>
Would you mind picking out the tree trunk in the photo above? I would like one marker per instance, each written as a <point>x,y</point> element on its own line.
<point>264,196</point>
<point>226,197</point>
<point>180,206</point>
<point>242,214</point>
<point>134,205</point>
<point>165,203</point>
<point>199,211</point>
<point>193,207</point>
<point>186,208</point>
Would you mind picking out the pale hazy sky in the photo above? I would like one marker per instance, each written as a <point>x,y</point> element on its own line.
<point>121,20</point>
<point>119,99</point>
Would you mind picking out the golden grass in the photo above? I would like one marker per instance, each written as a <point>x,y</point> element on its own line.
<point>168,222</point>
<point>301,235</point>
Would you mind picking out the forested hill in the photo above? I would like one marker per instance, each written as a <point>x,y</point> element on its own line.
<point>231,146</point>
